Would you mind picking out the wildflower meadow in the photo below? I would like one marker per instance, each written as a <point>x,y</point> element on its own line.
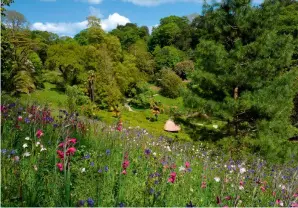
<point>63,160</point>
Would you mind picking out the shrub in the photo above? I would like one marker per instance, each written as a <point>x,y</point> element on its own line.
<point>183,68</point>
<point>170,83</point>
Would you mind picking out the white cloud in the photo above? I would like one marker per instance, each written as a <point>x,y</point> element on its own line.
<point>158,2</point>
<point>95,12</point>
<point>72,28</point>
<point>113,20</point>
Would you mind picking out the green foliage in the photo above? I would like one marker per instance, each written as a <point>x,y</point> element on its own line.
<point>239,78</point>
<point>75,98</point>
<point>128,76</point>
<point>184,68</point>
<point>167,56</point>
<point>37,64</point>
<point>66,59</point>
<point>144,59</point>
<point>170,83</point>
<point>143,96</point>
<point>129,34</point>
<point>172,30</point>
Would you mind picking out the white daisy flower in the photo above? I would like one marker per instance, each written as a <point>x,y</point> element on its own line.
<point>25,145</point>
<point>37,144</point>
<point>26,154</point>
<point>43,149</point>
<point>242,170</point>
<point>215,126</point>
<point>217,179</point>
<point>83,170</point>
<point>154,153</point>
<point>241,187</point>
<point>181,168</point>
<point>27,138</point>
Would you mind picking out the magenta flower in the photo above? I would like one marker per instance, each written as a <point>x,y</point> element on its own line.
<point>60,166</point>
<point>172,177</point>
<point>60,154</point>
<point>39,133</point>
<point>73,140</point>
<point>124,172</point>
<point>61,144</point>
<point>187,165</point>
<point>71,151</point>
<point>125,164</point>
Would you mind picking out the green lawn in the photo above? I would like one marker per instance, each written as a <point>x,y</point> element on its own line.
<point>138,117</point>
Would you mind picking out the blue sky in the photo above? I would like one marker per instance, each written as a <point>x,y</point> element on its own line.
<point>68,17</point>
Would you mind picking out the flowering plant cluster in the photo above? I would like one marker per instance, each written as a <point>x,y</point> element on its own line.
<point>65,150</point>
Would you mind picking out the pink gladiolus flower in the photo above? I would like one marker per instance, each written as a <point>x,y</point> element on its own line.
<point>125,164</point>
<point>124,172</point>
<point>187,165</point>
<point>60,166</point>
<point>39,133</point>
<point>295,195</point>
<point>172,177</point>
<point>60,154</point>
<point>241,183</point>
<point>61,144</point>
<point>294,204</point>
<point>71,150</point>
<point>73,140</point>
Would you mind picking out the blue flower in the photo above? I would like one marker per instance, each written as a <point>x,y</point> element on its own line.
<point>3,151</point>
<point>100,171</point>
<point>81,203</point>
<point>106,168</point>
<point>90,202</point>
<point>121,204</point>
<point>92,164</point>
<point>108,152</point>
<point>87,156</point>
<point>11,105</point>
<point>12,152</point>
<point>27,120</point>
<point>151,191</point>
<point>147,151</point>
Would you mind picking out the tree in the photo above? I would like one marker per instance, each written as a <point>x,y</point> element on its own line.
<point>93,21</point>
<point>144,60</point>
<point>167,56</point>
<point>128,75</point>
<point>236,80</point>
<point>170,83</point>
<point>66,58</point>
<point>130,33</point>
<point>173,30</point>
<point>14,20</point>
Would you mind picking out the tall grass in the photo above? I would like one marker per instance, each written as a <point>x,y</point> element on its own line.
<point>127,168</point>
